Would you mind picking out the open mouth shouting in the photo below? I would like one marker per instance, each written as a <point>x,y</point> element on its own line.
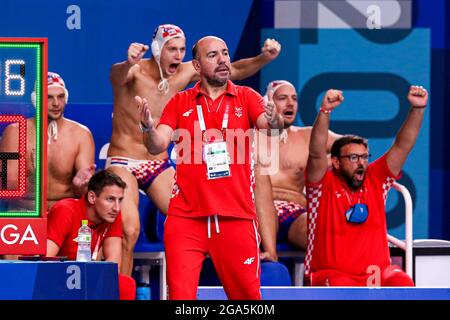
<point>359,174</point>
<point>289,113</point>
<point>173,67</point>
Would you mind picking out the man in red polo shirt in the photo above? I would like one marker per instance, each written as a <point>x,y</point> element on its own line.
<point>101,207</point>
<point>211,210</point>
<point>347,233</point>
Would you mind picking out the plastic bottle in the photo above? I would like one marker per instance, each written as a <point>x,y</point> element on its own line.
<point>84,242</point>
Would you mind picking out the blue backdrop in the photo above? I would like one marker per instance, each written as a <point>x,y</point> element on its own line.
<point>326,45</point>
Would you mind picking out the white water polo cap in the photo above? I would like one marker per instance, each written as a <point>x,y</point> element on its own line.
<point>162,34</point>
<point>274,86</point>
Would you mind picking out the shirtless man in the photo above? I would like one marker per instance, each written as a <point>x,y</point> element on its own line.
<point>70,152</point>
<point>157,79</point>
<point>280,198</point>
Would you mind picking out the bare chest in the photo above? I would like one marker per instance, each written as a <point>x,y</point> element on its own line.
<point>61,156</point>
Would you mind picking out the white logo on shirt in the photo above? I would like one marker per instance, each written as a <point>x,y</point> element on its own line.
<point>249,260</point>
<point>187,113</point>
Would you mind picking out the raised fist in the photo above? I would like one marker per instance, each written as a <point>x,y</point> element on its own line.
<point>332,99</point>
<point>271,49</point>
<point>418,96</point>
<point>136,51</point>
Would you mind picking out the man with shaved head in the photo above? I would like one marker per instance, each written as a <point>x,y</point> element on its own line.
<point>157,79</point>
<point>211,211</point>
<point>279,195</point>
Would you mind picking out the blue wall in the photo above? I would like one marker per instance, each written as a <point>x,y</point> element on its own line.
<point>84,56</point>
<point>328,45</point>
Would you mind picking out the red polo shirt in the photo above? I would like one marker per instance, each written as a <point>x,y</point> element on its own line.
<point>64,220</point>
<point>334,243</point>
<point>194,195</point>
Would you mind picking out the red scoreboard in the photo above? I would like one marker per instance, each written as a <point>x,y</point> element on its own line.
<point>23,165</point>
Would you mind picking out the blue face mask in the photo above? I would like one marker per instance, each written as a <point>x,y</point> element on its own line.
<point>357,214</point>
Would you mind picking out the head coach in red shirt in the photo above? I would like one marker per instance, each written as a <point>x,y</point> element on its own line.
<point>211,211</point>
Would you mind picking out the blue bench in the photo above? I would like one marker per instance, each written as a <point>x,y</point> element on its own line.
<point>149,249</point>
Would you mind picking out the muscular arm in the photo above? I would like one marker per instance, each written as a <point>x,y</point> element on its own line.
<point>407,135</point>
<point>267,215</point>
<point>247,67</point>
<point>84,163</point>
<point>317,160</point>
<point>121,72</point>
<point>112,249</point>
<point>332,137</point>
<point>158,140</point>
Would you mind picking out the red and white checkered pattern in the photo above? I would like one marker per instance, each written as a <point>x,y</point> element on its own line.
<point>313,195</point>
<point>175,188</point>
<point>387,186</point>
<point>148,168</point>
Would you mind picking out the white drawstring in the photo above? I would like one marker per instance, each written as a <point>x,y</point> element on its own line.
<point>163,84</point>
<point>284,136</point>
<point>216,221</point>
<point>52,131</point>
<point>209,227</point>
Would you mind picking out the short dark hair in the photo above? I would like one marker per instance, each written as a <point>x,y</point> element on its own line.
<point>344,140</point>
<point>195,51</point>
<point>104,178</point>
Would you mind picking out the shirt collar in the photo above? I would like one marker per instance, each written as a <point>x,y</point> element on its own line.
<point>231,89</point>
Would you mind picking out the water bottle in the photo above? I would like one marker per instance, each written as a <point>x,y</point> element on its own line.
<point>84,242</point>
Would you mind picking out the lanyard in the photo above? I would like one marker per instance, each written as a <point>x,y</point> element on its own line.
<point>201,119</point>
<point>360,195</point>
<point>97,245</point>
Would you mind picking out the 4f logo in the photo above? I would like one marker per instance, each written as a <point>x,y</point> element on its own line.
<point>249,260</point>
<point>188,113</point>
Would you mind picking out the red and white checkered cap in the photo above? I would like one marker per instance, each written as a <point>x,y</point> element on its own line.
<point>161,35</point>
<point>55,80</point>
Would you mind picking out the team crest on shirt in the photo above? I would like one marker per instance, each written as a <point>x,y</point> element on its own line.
<point>238,111</point>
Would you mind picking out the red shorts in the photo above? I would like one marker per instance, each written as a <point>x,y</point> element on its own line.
<point>390,276</point>
<point>232,244</point>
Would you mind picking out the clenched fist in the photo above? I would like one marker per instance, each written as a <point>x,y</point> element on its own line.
<point>271,49</point>
<point>418,96</point>
<point>331,100</point>
<point>136,51</point>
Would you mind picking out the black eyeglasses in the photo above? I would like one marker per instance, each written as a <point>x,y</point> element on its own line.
<point>355,157</point>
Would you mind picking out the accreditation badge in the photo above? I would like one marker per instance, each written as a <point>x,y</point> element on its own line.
<point>217,159</point>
